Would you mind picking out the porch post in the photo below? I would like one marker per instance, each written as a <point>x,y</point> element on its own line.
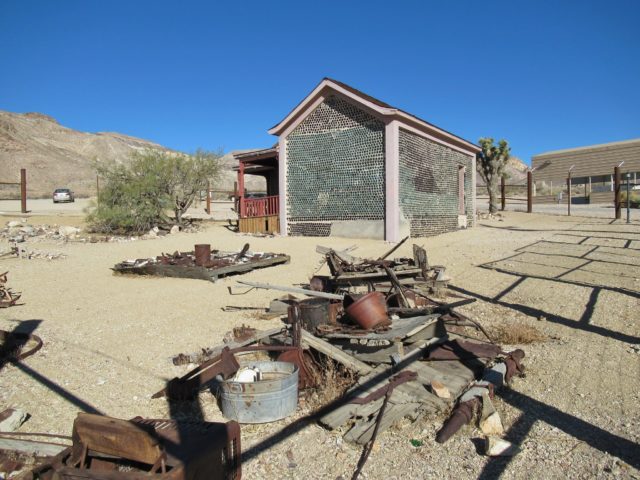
<point>241,189</point>
<point>392,182</point>
<point>282,184</point>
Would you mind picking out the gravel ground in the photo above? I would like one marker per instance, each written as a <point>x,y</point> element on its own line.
<point>109,339</point>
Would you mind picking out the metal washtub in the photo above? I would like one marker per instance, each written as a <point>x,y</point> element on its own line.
<point>273,397</point>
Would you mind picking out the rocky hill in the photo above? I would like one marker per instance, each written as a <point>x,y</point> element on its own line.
<point>60,157</point>
<point>56,156</point>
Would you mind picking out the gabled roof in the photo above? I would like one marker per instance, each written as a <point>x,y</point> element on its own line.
<point>382,109</point>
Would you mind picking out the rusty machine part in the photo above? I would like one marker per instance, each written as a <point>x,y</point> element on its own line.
<point>514,366</point>
<point>149,449</point>
<point>460,416</point>
<point>202,253</point>
<point>18,345</point>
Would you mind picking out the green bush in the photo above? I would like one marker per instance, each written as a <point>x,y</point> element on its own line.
<point>634,196</point>
<point>156,188</point>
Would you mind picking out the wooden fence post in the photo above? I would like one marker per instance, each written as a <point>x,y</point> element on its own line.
<point>23,190</point>
<point>616,192</point>
<point>208,197</point>
<point>529,191</point>
<point>503,190</point>
<point>569,194</point>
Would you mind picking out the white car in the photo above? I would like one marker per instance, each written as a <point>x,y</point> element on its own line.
<point>63,195</point>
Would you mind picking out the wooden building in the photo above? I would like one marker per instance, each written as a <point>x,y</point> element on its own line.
<point>347,164</point>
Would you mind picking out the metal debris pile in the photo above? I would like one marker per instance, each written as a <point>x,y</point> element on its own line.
<point>22,252</point>
<point>8,298</point>
<point>202,263</point>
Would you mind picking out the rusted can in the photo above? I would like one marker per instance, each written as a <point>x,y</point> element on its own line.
<point>369,311</point>
<point>203,254</point>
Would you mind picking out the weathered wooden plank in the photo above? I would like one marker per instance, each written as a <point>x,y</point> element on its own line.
<point>206,354</point>
<point>362,431</point>
<point>335,353</point>
<point>31,447</point>
<point>303,291</point>
<point>246,267</point>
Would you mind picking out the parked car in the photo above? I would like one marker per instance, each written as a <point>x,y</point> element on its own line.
<point>63,195</point>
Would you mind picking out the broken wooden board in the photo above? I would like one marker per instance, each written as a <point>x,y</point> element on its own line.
<point>412,399</point>
<point>334,353</point>
<point>196,272</point>
<point>378,347</point>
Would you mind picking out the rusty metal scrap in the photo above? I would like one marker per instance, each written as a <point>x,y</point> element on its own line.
<point>225,365</point>
<point>8,298</point>
<point>18,345</point>
<point>202,263</point>
<point>110,448</point>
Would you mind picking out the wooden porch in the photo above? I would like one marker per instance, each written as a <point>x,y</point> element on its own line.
<point>259,214</point>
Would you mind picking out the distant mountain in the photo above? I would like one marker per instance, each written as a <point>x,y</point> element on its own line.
<point>56,156</point>
<point>60,157</point>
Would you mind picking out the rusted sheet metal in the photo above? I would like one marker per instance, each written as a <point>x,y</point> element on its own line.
<point>188,386</point>
<point>149,449</point>
<point>199,265</point>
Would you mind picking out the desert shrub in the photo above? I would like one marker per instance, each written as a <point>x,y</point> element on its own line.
<point>517,333</point>
<point>155,188</point>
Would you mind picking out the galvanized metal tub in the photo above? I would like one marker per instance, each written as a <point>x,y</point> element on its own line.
<point>273,397</point>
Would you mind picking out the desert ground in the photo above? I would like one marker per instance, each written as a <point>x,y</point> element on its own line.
<point>109,339</point>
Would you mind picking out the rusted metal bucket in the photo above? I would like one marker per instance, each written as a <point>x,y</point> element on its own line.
<point>369,311</point>
<point>203,254</point>
<point>317,311</point>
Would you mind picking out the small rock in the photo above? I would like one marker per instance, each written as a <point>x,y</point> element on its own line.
<point>152,234</point>
<point>11,419</point>
<point>492,425</point>
<point>440,389</point>
<point>68,231</point>
<point>13,224</point>
<point>175,229</point>
<point>497,447</point>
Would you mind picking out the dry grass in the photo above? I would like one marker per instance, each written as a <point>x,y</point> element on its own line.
<point>517,333</point>
<point>333,381</point>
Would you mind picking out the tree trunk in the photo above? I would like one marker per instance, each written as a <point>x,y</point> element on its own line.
<point>493,197</point>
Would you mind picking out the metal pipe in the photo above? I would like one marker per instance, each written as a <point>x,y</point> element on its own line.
<point>628,199</point>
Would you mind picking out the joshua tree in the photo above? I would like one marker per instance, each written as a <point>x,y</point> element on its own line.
<point>490,164</point>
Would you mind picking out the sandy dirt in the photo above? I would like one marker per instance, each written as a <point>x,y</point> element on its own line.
<point>109,339</point>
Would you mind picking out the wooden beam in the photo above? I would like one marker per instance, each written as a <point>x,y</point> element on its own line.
<point>335,353</point>
<point>303,291</point>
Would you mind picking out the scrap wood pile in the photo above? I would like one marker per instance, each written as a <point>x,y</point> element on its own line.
<point>351,271</point>
<point>202,263</point>
<point>8,298</point>
<point>393,336</point>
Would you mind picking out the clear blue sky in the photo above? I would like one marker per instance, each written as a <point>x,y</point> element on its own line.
<point>542,74</point>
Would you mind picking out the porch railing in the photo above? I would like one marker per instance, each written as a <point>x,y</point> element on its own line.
<point>259,207</point>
